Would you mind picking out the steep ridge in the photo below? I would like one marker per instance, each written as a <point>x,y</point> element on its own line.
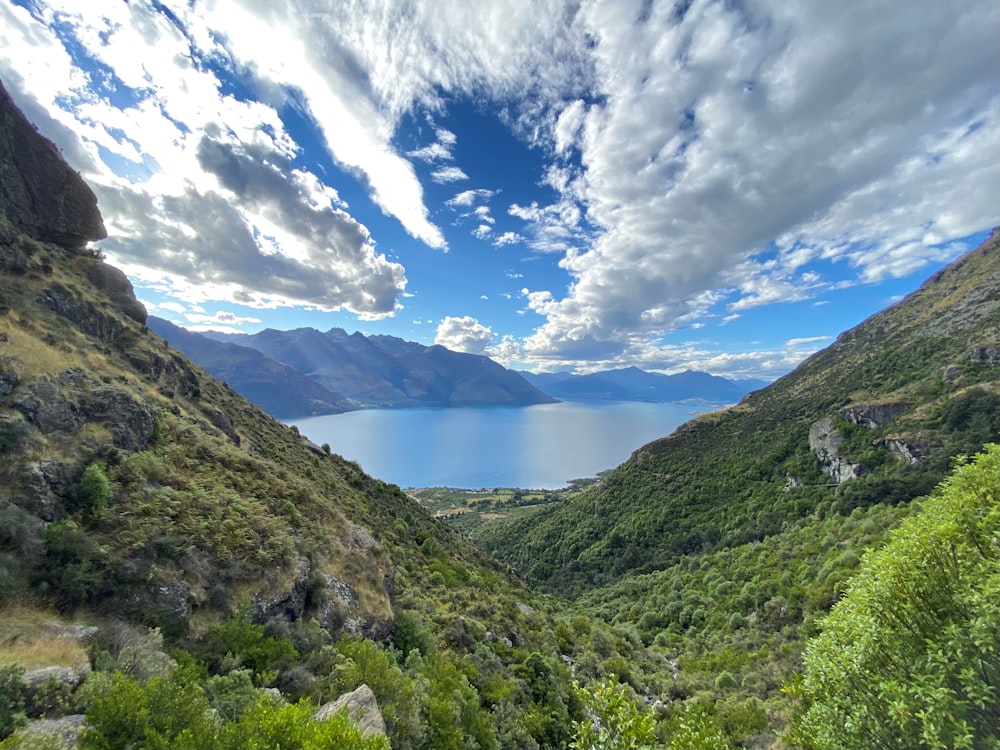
<point>278,389</point>
<point>874,418</point>
<point>389,371</point>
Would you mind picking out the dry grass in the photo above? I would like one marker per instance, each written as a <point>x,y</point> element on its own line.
<point>25,640</point>
<point>27,347</point>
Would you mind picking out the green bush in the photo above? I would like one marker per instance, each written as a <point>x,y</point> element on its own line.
<point>11,699</point>
<point>614,720</point>
<point>248,645</point>
<point>95,490</point>
<point>909,658</point>
<point>175,712</point>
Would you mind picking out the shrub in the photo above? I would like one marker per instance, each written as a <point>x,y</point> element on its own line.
<point>95,490</point>
<point>908,657</point>
<point>11,699</point>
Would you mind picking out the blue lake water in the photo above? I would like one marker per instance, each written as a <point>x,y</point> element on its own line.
<point>533,447</point>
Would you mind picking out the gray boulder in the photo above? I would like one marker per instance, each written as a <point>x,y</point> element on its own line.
<point>362,710</point>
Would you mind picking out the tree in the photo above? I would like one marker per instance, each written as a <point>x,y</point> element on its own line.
<point>95,490</point>
<point>614,721</point>
<point>909,657</point>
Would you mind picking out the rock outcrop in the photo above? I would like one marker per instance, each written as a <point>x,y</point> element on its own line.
<point>824,440</point>
<point>987,355</point>
<point>872,416</point>
<point>113,282</point>
<point>362,710</point>
<point>39,193</point>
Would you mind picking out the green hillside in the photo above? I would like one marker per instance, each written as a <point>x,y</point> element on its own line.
<point>900,394</point>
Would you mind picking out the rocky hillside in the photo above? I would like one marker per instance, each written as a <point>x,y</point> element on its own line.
<point>138,492</point>
<point>874,418</point>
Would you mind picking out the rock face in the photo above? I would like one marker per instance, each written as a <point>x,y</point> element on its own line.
<point>85,315</point>
<point>824,441</point>
<point>362,710</point>
<point>987,355</point>
<point>39,193</point>
<point>872,416</point>
<point>116,285</point>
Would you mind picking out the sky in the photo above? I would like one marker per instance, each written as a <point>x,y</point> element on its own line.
<point>691,184</point>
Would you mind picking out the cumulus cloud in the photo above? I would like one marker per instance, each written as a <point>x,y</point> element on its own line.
<point>467,198</point>
<point>712,148</point>
<point>465,334</point>
<point>741,131</point>
<point>506,351</point>
<point>445,175</point>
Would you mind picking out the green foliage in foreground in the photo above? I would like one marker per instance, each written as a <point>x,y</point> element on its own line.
<point>11,699</point>
<point>614,720</point>
<point>175,712</point>
<point>910,657</point>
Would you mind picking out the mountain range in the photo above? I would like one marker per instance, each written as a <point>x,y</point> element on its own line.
<point>306,372</point>
<point>352,371</point>
<point>634,384</point>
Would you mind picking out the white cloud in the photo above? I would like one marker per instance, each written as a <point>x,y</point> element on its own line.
<point>685,141</point>
<point>860,134</point>
<point>218,209</point>
<point>508,238</point>
<point>482,232</point>
<point>505,351</point>
<point>445,175</point>
<point>465,334</point>
<point>220,321</point>
<point>807,341</point>
<point>440,150</point>
<point>467,198</point>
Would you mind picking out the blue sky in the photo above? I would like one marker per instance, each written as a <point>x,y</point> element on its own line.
<point>696,184</point>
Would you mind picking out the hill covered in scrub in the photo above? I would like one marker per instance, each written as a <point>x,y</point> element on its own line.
<point>875,418</point>
<point>138,492</point>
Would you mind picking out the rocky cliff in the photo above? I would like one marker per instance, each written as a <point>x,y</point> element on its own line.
<point>39,194</point>
<point>130,478</point>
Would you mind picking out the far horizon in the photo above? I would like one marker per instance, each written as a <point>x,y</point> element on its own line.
<point>230,335</point>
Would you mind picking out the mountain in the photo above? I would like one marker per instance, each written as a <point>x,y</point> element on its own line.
<point>278,389</point>
<point>378,371</point>
<point>633,384</point>
<point>874,418</point>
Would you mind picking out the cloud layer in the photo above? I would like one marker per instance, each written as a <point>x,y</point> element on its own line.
<point>706,157</point>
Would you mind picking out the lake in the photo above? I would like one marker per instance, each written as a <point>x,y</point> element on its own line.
<point>532,447</point>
